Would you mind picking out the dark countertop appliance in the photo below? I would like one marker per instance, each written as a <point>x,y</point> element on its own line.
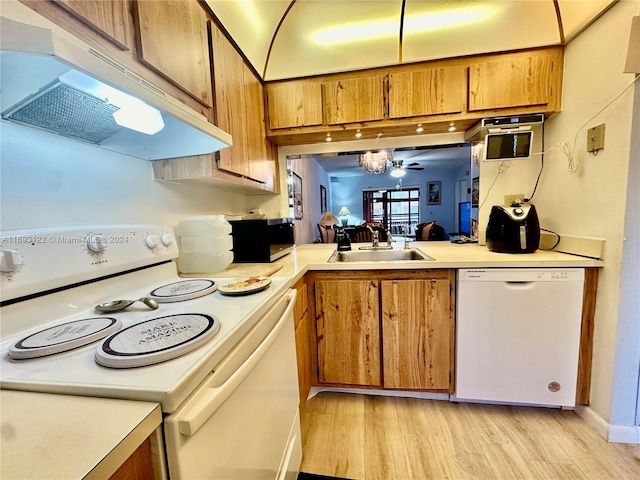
<point>513,229</point>
<point>261,240</point>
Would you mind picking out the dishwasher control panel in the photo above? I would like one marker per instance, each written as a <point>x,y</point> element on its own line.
<point>521,275</point>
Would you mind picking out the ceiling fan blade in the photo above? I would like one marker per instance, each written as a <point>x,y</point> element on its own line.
<point>415,168</point>
<point>413,164</point>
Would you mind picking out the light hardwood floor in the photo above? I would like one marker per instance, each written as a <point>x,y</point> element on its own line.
<point>365,437</point>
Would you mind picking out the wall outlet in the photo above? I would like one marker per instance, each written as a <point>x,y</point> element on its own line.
<point>509,199</point>
<point>595,138</point>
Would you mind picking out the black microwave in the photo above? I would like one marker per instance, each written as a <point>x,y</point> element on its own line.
<point>261,240</point>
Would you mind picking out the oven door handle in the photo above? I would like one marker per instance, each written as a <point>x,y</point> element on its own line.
<point>211,398</point>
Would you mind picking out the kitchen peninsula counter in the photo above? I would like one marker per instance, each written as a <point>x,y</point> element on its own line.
<point>446,255</point>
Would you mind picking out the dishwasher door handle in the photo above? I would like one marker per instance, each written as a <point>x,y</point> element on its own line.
<point>519,285</point>
<point>211,398</point>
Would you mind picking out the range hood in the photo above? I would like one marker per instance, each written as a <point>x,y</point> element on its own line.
<point>52,81</point>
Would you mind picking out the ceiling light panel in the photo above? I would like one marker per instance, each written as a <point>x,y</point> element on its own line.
<point>443,29</point>
<point>324,37</point>
<point>252,24</point>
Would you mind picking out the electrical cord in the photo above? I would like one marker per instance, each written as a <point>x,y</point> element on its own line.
<point>535,187</point>
<point>503,167</point>
<point>603,109</point>
<point>557,239</point>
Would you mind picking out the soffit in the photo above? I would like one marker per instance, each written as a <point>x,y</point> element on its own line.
<point>297,38</point>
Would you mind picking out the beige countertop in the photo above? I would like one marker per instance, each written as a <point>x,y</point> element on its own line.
<point>446,255</point>
<point>47,436</point>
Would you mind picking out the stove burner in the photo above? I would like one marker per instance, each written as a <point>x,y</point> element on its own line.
<point>63,337</point>
<point>183,290</point>
<point>156,340</point>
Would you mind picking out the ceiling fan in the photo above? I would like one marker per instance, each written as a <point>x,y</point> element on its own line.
<point>413,166</point>
<point>398,170</point>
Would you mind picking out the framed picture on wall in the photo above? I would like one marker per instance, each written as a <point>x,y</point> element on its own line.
<point>323,199</point>
<point>297,196</point>
<point>434,192</point>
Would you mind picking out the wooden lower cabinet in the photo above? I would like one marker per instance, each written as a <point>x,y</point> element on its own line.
<point>303,354</point>
<point>348,329</point>
<point>303,335</point>
<point>416,333</point>
<point>139,466</point>
<point>385,329</point>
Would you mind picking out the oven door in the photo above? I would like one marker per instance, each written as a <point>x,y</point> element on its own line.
<point>242,422</point>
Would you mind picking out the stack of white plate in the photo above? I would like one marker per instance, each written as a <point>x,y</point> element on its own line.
<point>205,244</point>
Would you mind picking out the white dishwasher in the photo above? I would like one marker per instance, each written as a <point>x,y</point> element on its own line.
<point>518,335</point>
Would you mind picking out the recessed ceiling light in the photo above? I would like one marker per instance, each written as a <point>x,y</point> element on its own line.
<point>328,139</point>
<point>358,134</point>
<point>452,127</point>
<point>419,129</point>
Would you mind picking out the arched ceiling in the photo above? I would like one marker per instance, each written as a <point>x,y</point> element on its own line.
<point>297,38</point>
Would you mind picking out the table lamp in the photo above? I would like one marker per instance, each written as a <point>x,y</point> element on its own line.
<point>344,211</point>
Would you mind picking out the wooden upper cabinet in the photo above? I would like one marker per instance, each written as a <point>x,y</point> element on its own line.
<point>239,110</point>
<point>430,91</point>
<point>348,329</point>
<point>230,104</point>
<point>522,79</point>
<point>172,37</point>
<point>354,100</point>
<point>294,104</point>
<point>417,332</point>
<point>261,165</point>
<point>112,19</point>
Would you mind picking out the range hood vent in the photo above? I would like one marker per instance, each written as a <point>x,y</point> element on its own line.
<point>69,112</point>
<point>36,59</point>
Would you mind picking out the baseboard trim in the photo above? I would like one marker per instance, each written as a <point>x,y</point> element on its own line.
<point>385,393</point>
<point>612,433</point>
<point>624,434</point>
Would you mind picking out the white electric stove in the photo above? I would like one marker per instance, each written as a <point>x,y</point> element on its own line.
<point>52,280</point>
<point>45,259</point>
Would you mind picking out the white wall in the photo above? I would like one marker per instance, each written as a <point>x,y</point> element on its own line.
<point>313,175</point>
<point>517,178</point>
<point>47,180</point>
<point>625,401</point>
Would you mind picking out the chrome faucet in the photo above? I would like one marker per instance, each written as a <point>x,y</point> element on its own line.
<point>389,239</point>
<point>404,233</point>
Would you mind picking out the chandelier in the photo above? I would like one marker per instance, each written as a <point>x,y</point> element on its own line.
<point>374,162</point>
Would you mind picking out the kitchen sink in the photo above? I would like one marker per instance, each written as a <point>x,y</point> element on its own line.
<point>381,255</point>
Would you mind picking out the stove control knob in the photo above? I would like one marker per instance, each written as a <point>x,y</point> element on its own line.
<point>518,212</point>
<point>95,243</point>
<point>167,239</point>
<point>10,262</point>
<point>152,241</point>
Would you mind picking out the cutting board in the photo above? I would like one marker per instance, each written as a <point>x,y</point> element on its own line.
<point>238,270</point>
